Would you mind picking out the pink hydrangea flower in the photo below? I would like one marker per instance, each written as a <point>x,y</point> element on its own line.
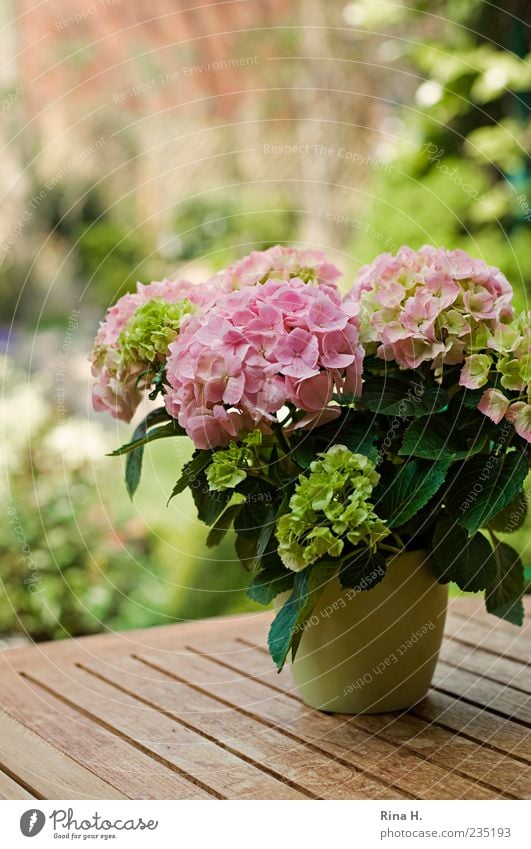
<point>475,372</point>
<point>429,305</point>
<point>281,263</point>
<point>234,367</point>
<point>520,415</point>
<point>494,404</point>
<point>118,388</point>
<point>509,352</point>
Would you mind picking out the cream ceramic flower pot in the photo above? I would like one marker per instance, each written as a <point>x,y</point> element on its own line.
<point>375,650</point>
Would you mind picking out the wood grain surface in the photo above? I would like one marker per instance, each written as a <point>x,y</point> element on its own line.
<point>197,711</point>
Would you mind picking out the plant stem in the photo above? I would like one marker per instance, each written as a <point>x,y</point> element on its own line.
<point>390,548</point>
<point>399,541</point>
<point>277,428</point>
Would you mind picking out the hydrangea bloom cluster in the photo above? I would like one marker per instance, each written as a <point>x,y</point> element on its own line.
<point>234,367</point>
<point>138,329</point>
<point>153,327</point>
<point>279,263</point>
<point>231,466</point>
<point>507,361</point>
<point>329,506</point>
<point>135,332</point>
<point>431,305</point>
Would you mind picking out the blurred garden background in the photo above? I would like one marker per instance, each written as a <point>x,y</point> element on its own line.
<point>165,139</point>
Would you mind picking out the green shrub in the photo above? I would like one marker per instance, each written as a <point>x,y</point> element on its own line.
<point>217,227</point>
<point>76,558</point>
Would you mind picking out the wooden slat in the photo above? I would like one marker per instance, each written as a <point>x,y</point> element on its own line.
<point>491,637</point>
<point>311,772</point>
<point>76,650</point>
<point>489,694</point>
<point>335,736</point>
<point>44,771</point>
<point>477,724</point>
<point>436,745</point>
<point>454,753</point>
<point>198,711</point>
<point>200,760</point>
<point>110,757</point>
<point>245,655</point>
<point>9,789</point>
<point>495,694</point>
<point>487,665</point>
<point>473,721</point>
<point>474,608</point>
<point>253,626</point>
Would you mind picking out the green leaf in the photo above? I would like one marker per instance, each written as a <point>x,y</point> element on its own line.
<point>485,485</point>
<point>439,439</point>
<point>469,398</point>
<point>142,436</point>
<point>456,557</point>
<point>352,429</point>
<point>133,470</point>
<point>245,546</point>
<point>222,525</point>
<point>191,474</point>
<point>360,440</point>
<point>505,590</point>
<point>512,517</point>
<point>135,448</point>
<point>408,398</point>
<point>304,453</point>
<point>288,625</point>
<point>410,489</point>
<point>362,570</point>
<point>270,582</point>
<point>255,523</point>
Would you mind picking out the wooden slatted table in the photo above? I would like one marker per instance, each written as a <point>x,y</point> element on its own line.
<point>196,711</point>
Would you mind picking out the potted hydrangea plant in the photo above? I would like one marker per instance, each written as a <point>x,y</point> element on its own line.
<point>367,449</point>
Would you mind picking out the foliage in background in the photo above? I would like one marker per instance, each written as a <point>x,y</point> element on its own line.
<point>73,560</point>
<point>461,178</point>
<point>212,227</point>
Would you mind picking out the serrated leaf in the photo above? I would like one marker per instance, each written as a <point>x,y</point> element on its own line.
<point>456,557</point>
<point>288,624</point>
<point>353,429</point>
<point>504,593</point>
<point>439,439</point>
<point>222,525</point>
<point>362,570</point>
<point>254,524</point>
<point>408,398</point>
<point>304,454</point>
<point>512,517</point>
<point>245,546</point>
<point>191,472</point>
<point>360,440</point>
<point>484,486</point>
<point>410,489</point>
<point>470,398</point>
<point>270,582</point>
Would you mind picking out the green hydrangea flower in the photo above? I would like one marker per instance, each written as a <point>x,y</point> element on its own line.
<point>479,339</point>
<point>511,375</point>
<point>154,326</point>
<point>330,506</point>
<point>231,466</point>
